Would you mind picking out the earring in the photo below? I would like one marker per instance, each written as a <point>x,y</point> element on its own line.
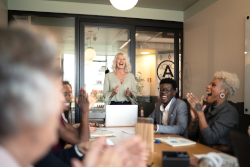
<point>222,95</point>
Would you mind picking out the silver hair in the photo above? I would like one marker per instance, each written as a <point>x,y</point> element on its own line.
<point>27,66</point>
<point>229,81</point>
<point>127,67</point>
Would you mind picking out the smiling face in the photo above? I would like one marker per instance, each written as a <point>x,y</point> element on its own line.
<point>120,62</point>
<point>46,135</point>
<point>166,93</point>
<point>214,89</point>
<point>67,91</point>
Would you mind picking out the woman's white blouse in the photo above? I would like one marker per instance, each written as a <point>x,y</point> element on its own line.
<point>110,83</point>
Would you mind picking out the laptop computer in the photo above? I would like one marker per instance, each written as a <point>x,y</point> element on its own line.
<point>241,145</point>
<point>121,115</point>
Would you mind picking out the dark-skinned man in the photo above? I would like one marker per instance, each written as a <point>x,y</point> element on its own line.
<point>170,114</point>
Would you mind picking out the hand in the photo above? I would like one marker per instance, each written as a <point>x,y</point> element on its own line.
<point>128,93</point>
<point>83,102</point>
<point>248,131</point>
<point>76,125</point>
<point>93,156</point>
<point>116,89</point>
<point>92,129</point>
<point>93,98</point>
<point>155,127</point>
<point>91,124</point>
<point>134,152</point>
<point>196,106</point>
<point>129,153</point>
<point>92,151</point>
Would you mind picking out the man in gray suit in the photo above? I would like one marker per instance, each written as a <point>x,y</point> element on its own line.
<point>170,114</point>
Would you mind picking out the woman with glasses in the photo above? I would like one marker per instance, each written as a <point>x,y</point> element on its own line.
<point>119,86</point>
<point>170,114</point>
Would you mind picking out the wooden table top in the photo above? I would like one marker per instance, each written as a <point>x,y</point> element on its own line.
<point>156,157</point>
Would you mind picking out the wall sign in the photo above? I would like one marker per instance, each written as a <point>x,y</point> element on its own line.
<point>165,69</point>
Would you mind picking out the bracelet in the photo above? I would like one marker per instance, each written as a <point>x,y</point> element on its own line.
<point>77,147</point>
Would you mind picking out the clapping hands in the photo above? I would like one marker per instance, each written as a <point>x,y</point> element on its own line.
<point>92,98</point>
<point>128,93</point>
<point>83,102</point>
<point>128,153</point>
<point>195,105</point>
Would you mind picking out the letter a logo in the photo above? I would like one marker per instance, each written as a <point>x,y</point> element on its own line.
<point>168,72</point>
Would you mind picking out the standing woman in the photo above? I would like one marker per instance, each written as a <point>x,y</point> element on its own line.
<point>119,86</point>
<point>211,124</point>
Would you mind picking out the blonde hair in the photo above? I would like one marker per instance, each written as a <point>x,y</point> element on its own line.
<point>229,81</point>
<point>127,67</point>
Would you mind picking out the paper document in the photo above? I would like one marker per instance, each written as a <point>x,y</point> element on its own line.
<point>130,132</point>
<point>101,132</point>
<point>228,160</point>
<point>175,141</point>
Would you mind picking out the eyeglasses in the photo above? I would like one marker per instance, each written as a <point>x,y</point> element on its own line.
<point>167,90</point>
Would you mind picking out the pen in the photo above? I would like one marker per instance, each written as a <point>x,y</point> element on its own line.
<point>157,141</point>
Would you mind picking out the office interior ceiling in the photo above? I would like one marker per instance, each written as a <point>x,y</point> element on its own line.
<point>108,40</point>
<point>179,5</point>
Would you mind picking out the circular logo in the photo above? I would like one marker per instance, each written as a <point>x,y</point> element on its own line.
<point>165,69</point>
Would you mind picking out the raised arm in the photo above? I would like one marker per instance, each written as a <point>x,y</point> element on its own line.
<point>131,92</point>
<point>82,133</point>
<point>109,94</point>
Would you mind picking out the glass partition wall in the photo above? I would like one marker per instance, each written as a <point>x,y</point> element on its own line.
<point>101,43</point>
<point>88,44</point>
<point>157,57</point>
<point>63,29</point>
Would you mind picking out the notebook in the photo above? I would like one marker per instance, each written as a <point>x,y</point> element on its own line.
<point>175,141</point>
<point>101,132</point>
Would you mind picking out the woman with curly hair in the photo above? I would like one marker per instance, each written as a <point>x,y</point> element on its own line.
<point>211,124</point>
<point>119,86</point>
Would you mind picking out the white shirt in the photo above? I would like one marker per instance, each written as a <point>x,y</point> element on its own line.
<point>165,111</point>
<point>6,159</point>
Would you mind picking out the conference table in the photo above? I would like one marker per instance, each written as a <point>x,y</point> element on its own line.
<point>156,156</point>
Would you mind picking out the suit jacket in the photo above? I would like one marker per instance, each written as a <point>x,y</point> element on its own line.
<point>58,158</point>
<point>177,118</point>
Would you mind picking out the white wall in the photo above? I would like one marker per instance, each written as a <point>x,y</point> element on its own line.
<point>214,41</point>
<point>3,15</point>
<point>93,9</point>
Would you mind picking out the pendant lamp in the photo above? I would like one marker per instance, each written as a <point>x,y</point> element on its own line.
<point>90,53</point>
<point>123,4</point>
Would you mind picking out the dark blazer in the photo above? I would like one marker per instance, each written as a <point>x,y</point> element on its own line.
<point>58,158</point>
<point>221,120</point>
<point>177,118</point>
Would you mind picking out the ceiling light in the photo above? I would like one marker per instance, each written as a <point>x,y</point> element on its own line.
<point>123,4</point>
<point>124,44</point>
<point>90,54</point>
<point>145,53</point>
